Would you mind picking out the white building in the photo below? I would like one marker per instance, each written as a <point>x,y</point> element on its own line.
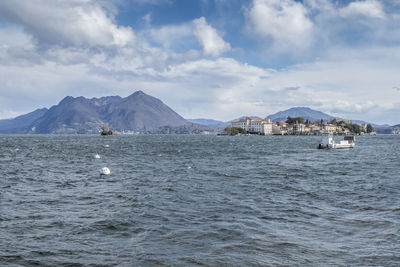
<point>254,126</point>
<point>277,130</point>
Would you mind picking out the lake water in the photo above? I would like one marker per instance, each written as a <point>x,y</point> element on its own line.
<point>186,200</point>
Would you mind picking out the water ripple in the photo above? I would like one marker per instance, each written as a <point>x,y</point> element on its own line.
<point>198,201</point>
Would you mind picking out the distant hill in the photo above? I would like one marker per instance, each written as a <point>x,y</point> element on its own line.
<point>209,123</point>
<point>306,113</point>
<point>138,112</point>
<point>385,129</point>
<point>20,123</point>
<point>251,117</point>
<point>214,124</point>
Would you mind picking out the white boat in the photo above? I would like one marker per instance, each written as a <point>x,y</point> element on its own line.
<point>328,142</point>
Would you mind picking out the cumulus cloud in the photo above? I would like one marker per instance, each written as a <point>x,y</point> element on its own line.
<point>14,36</point>
<point>170,35</point>
<point>284,21</point>
<point>367,8</point>
<point>185,36</point>
<point>78,23</point>
<point>208,38</point>
<point>347,107</point>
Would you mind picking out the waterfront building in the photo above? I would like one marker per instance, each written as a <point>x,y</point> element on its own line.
<point>254,126</point>
<point>330,128</point>
<point>315,129</point>
<point>298,128</point>
<point>276,130</point>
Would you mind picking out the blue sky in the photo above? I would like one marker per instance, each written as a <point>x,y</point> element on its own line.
<point>217,59</point>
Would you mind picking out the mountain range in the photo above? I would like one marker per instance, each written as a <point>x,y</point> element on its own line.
<point>138,112</point>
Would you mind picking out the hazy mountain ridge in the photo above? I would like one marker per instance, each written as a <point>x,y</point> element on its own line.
<point>315,115</point>
<point>209,122</point>
<point>305,112</point>
<point>215,124</point>
<point>19,124</point>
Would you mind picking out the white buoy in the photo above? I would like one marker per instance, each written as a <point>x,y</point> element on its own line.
<point>97,156</point>
<point>107,146</point>
<point>105,171</point>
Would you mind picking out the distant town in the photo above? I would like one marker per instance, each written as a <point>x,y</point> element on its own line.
<point>296,126</point>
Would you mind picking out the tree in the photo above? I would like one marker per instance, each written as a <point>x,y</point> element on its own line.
<point>354,128</point>
<point>106,130</point>
<point>294,120</point>
<point>105,127</point>
<point>369,128</point>
<point>234,130</point>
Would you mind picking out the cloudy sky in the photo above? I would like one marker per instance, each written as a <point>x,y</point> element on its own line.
<point>215,59</point>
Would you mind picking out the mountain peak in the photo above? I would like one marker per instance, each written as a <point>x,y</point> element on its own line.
<point>138,93</point>
<point>301,108</point>
<point>305,112</point>
<point>66,100</point>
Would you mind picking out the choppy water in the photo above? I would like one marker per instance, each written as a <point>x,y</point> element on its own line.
<point>198,201</point>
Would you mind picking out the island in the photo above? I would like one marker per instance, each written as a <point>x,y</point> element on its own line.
<point>107,131</point>
<point>296,126</point>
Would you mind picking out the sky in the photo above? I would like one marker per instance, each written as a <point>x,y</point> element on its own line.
<point>217,59</point>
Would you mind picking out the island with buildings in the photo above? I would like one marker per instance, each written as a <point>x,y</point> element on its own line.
<point>106,130</point>
<point>296,126</point>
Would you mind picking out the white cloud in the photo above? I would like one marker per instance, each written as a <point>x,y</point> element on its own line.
<point>284,21</point>
<point>184,37</point>
<point>78,23</point>
<point>319,5</point>
<point>14,36</point>
<point>367,8</point>
<point>350,84</point>
<point>347,107</point>
<point>208,38</point>
<point>170,35</point>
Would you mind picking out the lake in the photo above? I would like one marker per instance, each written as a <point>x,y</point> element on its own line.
<point>198,200</point>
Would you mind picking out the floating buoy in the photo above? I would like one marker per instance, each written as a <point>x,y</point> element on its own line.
<point>107,146</point>
<point>105,171</point>
<point>97,156</point>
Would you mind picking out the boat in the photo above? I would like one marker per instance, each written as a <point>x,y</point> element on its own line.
<point>328,142</point>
